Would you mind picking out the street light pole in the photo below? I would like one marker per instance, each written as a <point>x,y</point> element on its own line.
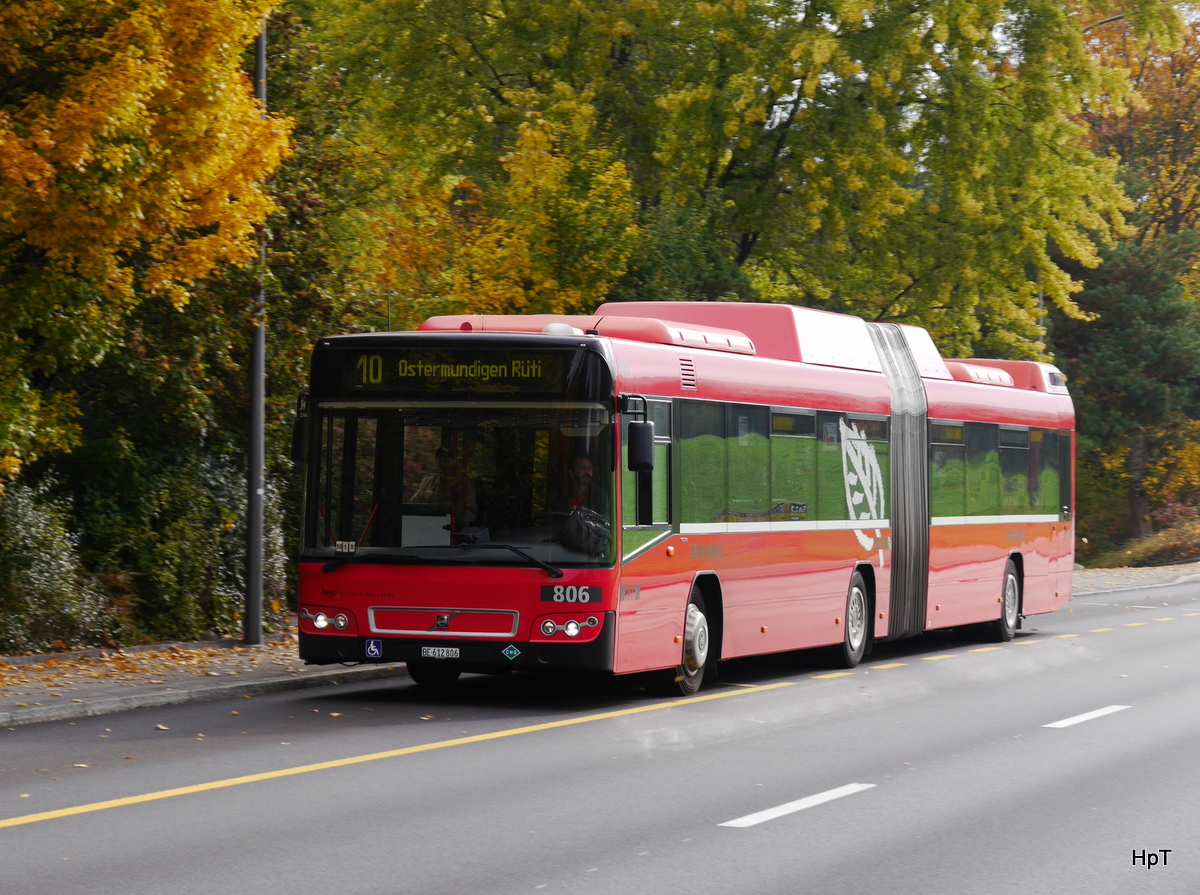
<point>252,624</point>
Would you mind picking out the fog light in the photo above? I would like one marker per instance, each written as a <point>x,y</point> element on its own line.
<point>340,621</point>
<point>548,627</point>
<point>320,621</point>
<point>571,628</point>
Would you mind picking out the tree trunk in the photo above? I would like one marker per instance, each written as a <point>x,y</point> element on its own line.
<point>1139,500</point>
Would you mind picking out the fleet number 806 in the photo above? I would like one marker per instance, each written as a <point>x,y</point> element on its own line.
<point>569,593</point>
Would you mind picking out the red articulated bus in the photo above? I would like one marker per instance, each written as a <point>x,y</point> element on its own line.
<point>662,485</point>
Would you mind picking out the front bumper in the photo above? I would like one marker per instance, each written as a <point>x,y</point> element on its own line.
<point>487,657</point>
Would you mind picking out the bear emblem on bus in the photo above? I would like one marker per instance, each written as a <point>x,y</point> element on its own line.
<point>865,498</point>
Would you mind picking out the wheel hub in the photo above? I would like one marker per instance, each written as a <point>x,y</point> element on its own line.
<point>695,639</point>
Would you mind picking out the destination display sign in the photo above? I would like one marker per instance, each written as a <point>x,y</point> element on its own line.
<point>441,371</point>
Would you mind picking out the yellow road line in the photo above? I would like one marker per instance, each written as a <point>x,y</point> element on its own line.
<point>825,677</point>
<point>374,756</point>
<point>937,658</point>
<point>1064,636</point>
<point>1164,619</point>
<point>1134,624</point>
<point>1099,630</point>
<point>986,649</point>
<point>890,665</point>
<point>1024,642</point>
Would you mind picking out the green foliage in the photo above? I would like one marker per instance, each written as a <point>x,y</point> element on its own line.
<point>681,258</point>
<point>47,599</point>
<point>898,160</point>
<point>1137,365</point>
<point>1102,497</point>
<point>158,501</point>
<point>1135,368</point>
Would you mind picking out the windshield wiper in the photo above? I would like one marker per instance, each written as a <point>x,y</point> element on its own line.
<point>340,561</point>
<point>554,571</point>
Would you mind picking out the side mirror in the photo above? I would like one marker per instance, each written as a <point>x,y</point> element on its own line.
<point>641,446</point>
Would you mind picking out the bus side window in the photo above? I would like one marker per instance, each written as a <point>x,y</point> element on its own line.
<point>831,473</point>
<point>983,469</point>
<point>645,497</point>
<point>793,466</point>
<point>1048,483</point>
<point>947,470</point>
<point>748,455</point>
<point>702,458</point>
<point>1016,475</point>
<point>1066,459</point>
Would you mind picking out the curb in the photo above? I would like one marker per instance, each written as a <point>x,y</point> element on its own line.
<point>107,705</point>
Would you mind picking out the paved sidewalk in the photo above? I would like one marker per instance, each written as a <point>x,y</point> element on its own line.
<point>76,685</point>
<point>1091,581</point>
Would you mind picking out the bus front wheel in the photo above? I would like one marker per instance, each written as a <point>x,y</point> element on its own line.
<point>686,679</point>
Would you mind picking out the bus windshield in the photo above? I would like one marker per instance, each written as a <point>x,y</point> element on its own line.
<point>516,482</point>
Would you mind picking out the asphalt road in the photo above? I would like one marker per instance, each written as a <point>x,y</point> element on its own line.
<point>1064,762</point>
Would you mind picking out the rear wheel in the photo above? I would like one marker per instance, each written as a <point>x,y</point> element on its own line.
<point>1005,627</point>
<point>686,679</point>
<point>857,623</point>
<point>433,676</point>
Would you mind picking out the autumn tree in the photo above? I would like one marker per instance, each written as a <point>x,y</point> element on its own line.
<point>903,161</point>
<point>1154,129</point>
<point>157,484</point>
<point>131,155</point>
<point>554,240</point>
<point>1135,366</point>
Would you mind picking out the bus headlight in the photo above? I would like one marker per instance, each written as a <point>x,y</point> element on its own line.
<point>340,621</point>
<point>572,628</point>
<point>320,621</point>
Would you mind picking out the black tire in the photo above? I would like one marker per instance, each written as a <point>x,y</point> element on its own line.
<point>857,624</point>
<point>686,679</point>
<point>433,675</point>
<point>1003,629</point>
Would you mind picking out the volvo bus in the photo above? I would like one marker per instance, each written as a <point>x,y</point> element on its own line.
<point>660,486</point>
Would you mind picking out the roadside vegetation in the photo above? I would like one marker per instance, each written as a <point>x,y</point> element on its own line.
<point>1020,178</point>
<point>1178,541</point>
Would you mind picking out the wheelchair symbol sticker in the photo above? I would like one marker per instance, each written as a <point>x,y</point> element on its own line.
<point>374,649</point>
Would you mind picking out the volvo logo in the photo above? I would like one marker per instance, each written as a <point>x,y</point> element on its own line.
<point>442,621</point>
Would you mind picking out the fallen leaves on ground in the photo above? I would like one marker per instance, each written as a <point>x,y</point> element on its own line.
<point>156,666</point>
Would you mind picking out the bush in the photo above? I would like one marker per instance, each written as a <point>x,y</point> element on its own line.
<point>1174,514</point>
<point>170,539</point>
<point>48,600</point>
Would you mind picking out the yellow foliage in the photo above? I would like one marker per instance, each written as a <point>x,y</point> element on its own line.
<point>1175,474</point>
<point>131,154</point>
<point>551,239</point>
<point>130,128</point>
